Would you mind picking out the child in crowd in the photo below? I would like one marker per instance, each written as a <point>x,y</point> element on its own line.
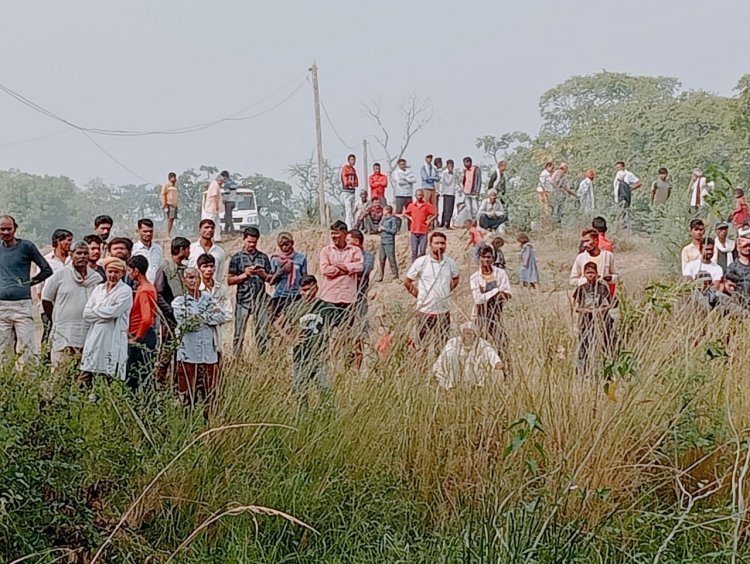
<point>388,227</point>
<point>739,213</point>
<point>592,304</point>
<point>529,273</point>
<point>497,245</point>
<point>476,239</point>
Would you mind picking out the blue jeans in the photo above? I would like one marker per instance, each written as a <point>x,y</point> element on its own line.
<point>242,312</point>
<point>418,245</point>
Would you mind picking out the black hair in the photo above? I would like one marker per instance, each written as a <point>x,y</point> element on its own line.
<point>708,241</point>
<point>468,159</point>
<point>599,223</point>
<point>224,173</point>
<point>620,163</point>
<point>308,280</point>
<point>122,241</point>
<point>485,250</point>
<point>139,262</point>
<point>60,235</point>
<point>172,174</point>
<point>357,234</point>
<point>250,232</point>
<point>205,258</point>
<point>179,243</point>
<point>349,156</point>
<point>339,226</point>
<point>663,170</point>
<point>145,221</point>
<point>437,234</point>
<point>88,239</point>
<point>206,220</point>
<point>696,223</point>
<point>99,219</point>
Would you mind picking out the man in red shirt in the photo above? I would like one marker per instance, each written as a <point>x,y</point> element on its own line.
<point>420,214</point>
<point>141,332</point>
<point>378,184</point>
<point>349,184</point>
<point>600,224</point>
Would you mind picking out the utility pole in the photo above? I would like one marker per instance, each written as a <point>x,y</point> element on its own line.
<point>366,170</point>
<point>319,142</point>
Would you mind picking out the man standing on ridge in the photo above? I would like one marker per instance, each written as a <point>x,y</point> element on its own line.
<point>169,200</point>
<point>403,187</point>
<point>212,203</point>
<point>472,186</point>
<point>378,184</point>
<point>429,177</point>
<point>349,185</point>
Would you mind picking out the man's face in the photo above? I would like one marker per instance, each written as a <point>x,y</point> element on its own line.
<point>708,253</point>
<point>437,246</point>
<point>722,233</point>
<point>207,271</point>
<point>619,167</point>
<point>492,197</point>
<point>173,180</point>
<point>286,246</point>
<point>363,197</point>
<point>376,169</point>
<point>468,337</point>
<point>80,257</point>
<point>590,243</point>
<point>309,292</point>
<point>467,163</point>
<point>590,275</point>
<point>550,167</point>
<point>146,234</point>
<point>103,230</point>
<point>184,254</point>
<point>7,230</point>
<point>698,232</point>
<point>420,195</point>
<point>120,251</point>
<point>663,176</point>
<point>114,275</point>
<point>486,260</point>
<point>249,244</point>
<point>564,167</point>
<point>353,241</point>
<point>428,160</point>
<point>207,231</point>
<point>730,286</point>
<point>352,160</point>
<point>191,281</point>
<point>95,251</point>
<point>450,167</point>
<point>64,245</point>
<point>338,237</point>
<point>220,180</point>
<point>402,165</point>
<point>502,167</point>
<point>591,175</point>
<point>743,247</point>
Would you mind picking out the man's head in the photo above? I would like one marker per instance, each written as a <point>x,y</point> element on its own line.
<point>146,231</point>
<point>356,238</point>
<point>351,159</point>
<point>121,247</point>
<point>450,164</point>
<point>549,166</point>
<point>137,267</point>
<point>438,162</point>
<point>419,194</point>
<point>207,228</point>
<point>401,163</point>
<point>697,229</point>
<point>8,228</point>
<point>388,211</point>
<point>590,174</point>
<point>114,270</point>
<point>172,178</point>
<point>192,278</point>
<point>502,166</point>
<point>467,162</point>
<point>438,243</point>
<point>590,272</point>
<point>250,236</point>
<point>492,195</point>
<point>428,159</point>
<point>62,239</point>
<point>722,230</point>
<point>743,242</point>
<point>94,243</point>
<point>308,287</point>
<point>730,283</point>
<point>620,165</point>
<point>179,249</point>
<point>363,196</point>
<point>376,168</point>
<point>697,173</point>
<point>80,255</point>
<point>285,241</point>
<point>468,334</point>
<point>663,174</point>
<point>564,167</point>
<point>376,201</point>
<point>339,231</point>
<point>103,226</point>
<point>600,224</point>
<point>207,267</point>
<point>707,254</point>
<point>590,240</point>
<point>486,257</point>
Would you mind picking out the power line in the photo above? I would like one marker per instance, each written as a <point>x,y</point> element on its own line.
<point>115,159</point>
<point>175,131</point>
<point>32,139</point>
<point>335,131</point>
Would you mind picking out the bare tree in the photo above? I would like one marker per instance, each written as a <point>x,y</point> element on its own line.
<point>416,113</point>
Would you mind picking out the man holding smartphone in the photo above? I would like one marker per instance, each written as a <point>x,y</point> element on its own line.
<point>249,270</point>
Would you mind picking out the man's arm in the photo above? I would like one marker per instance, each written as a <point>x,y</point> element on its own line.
<point>45,270</point>
<point>327,268</point>
<point>492,180</point>
<point>576,273</point>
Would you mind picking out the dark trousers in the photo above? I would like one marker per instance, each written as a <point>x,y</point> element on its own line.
<point>388,251</point>
<point>166,352</point>
<point>259,310</point>
<point>487,222</point>
<point>448,203</point>
<point>418,245</point>
<point>435,328</point>
<point>140,359</point>
<point>401,203</point>
<point>228,219</point>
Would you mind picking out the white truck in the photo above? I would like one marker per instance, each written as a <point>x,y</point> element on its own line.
<point>245,213</point>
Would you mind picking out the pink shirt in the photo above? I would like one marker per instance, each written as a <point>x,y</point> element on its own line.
<point>340,287</point>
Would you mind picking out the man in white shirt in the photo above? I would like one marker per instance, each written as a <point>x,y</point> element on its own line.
<point>448,182</point>
<point>212,203</point>
<point>206,245</point>
<point>699,189</point>
<point>624,184</point>
<point>705,264</point>
<point>58,258</point>
<point>146,247</point>
<point>545,188</point>
<point>63,300</point>
<point>466,359</point>
<point>431,279</point>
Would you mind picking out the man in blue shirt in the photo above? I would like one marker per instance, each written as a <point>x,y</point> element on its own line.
<point>429,177</point>
<point>16,317</point>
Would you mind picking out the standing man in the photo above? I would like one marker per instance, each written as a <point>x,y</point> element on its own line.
<point>604,260</point>
<point>349,184</point>
<point>63,299</point>
<point>420,214</point>
<point>388,228</point>
<point>16,311</point>
<point>561,184</point>
<point>403,187</point>
<point>545,188</point>
<point>141,332</point>
<point>341,265</point>
<point>586,191</point>
<point>378,183</point>
<point>472,186</point>
<point>249,270</point>
<point>205,244</point>
<point>624,184</point>
<point>429,177</point>
<point>431,279</point>
<point>169,284</point>
<point>497,180</point>
<point>58,258</point>
<point>705,264</point>
<point>103,227</point>
<point>212,203</point>
<point>725,252</point>
<point>146,247</point>
<point>490,289</point>
<point>692,251</point>
<point>739,270</point>
<point>95,245</point>
<point>698,189</point>
<point>169,200</point>
<point>229,194</point>
<point>288,268</point>
<point>448,183</point>
<point>661,188</point>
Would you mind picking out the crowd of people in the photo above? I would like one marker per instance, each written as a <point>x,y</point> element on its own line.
<point>126,310</point>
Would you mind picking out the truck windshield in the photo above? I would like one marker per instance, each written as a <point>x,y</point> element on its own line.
<point>245,202</point>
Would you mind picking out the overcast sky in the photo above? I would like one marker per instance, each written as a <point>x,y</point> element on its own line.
<point>155,65</point>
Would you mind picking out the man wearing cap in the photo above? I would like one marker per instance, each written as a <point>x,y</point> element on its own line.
<point>107,310</point>
<point>740,268</point>
<point>466,359</point>
<point>725,251</point>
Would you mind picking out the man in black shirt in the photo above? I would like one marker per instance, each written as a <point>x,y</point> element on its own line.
<point>740,268</point>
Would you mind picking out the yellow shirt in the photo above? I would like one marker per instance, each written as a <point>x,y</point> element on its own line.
<point>169,195</point>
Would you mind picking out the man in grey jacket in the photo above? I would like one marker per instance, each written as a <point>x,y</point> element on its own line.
<point>472,185</point>
<point>403,181</point>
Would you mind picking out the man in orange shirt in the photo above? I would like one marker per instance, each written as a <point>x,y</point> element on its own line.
<point>141,333</point>
<point>600,224</point>
<point>420,214</point>
<point>378,184</point>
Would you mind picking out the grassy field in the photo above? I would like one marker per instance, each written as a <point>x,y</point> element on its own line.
<point>541,467</point>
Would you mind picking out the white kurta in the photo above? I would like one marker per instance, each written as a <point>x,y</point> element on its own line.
<point>457,364</point>
<point>106,347</point>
